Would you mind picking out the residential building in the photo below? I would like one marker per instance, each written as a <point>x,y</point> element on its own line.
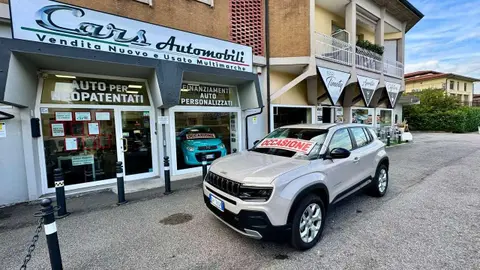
<point>476,100</point>
<point>319,72</point>
<point>454,85</point>
<point>85,83</point>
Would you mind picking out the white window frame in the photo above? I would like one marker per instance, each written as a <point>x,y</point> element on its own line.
<point>148,2</point>
<point>208,2</point>
<point>40,143</point>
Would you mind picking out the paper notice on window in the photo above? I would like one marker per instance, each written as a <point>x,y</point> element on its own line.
<point>63,116</point>
<point>82,160</point>
<point>3,130</point>
<point>194,136</point>
<point>102,116</point>
<point>58,130</point>
<point>71,144</point>
<point>294,145</point>
<point>93,129</point>
<point>83,116</point>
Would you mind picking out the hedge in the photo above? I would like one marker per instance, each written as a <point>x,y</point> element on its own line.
<point>461,120</point>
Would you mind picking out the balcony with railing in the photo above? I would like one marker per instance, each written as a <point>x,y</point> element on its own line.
<point>393,68</point>
<point>368,60</point>
<point>333,49</point>
<point>336,50</point>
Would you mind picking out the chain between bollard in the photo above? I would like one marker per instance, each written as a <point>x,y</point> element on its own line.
<point>32,246</point>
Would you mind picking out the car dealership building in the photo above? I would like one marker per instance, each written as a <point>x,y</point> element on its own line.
<point>82,87</point>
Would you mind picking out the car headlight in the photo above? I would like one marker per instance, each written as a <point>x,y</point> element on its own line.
<point>261,194</point>
<point>189,148</point>
<point>221,146</point>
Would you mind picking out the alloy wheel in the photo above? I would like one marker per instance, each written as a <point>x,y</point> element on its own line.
<point>310,222</point>
<point>382,180</point>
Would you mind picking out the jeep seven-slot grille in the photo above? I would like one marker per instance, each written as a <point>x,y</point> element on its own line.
<point>224,184</point>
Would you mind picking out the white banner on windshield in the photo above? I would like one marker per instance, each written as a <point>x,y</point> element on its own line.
<point>392,90</point>
<point>294,145</point>
<point>335,82</point>
<point>67,25</point>
<point>368,87</point>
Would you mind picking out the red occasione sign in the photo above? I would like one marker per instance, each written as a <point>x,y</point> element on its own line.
<point>200,136</point>
<point>295,145</point>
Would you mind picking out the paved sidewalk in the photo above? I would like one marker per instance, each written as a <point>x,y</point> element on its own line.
<point>21,215</point>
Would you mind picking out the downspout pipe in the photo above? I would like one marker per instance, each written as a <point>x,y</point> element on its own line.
<point>246,125</point>
<point>267,56</point>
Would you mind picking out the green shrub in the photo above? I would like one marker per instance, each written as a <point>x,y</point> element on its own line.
<point>460,120</point>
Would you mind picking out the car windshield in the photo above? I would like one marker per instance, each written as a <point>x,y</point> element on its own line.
<point>198,133</point>
<point>299,135</point>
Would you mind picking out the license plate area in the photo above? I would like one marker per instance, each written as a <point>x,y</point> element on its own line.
<point>210,156</point>
<point>217,202</point>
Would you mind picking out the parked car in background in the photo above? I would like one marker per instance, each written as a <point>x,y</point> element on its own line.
<point>197,141</point>
<point>287,181</point>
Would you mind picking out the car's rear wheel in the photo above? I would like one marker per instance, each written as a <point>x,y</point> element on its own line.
<point>308,223</point>
<point>379,185</point>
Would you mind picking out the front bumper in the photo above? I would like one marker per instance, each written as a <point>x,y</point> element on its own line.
<point>253,224</point>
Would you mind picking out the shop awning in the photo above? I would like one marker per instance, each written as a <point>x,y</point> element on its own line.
<point>20,60</point>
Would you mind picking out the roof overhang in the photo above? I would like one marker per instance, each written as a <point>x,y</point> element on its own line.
<point>403,11</point>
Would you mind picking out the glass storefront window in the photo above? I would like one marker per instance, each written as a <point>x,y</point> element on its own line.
<point>81,142</point>
<point>384,118</point>
<point>63,89</point>
<point>362,116</point>
<point>283,116</point>
<point>212,134</point>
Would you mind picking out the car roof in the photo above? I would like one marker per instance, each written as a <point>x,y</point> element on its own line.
<point>325,126</point>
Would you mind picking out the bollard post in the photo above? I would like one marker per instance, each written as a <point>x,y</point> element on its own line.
<point>204,166</point>
<point>399,137</point>
<point>388,139</point>
<point>166,169</point>
<point>50,227</point>
<point>60,193</point>
<point>120,184</point>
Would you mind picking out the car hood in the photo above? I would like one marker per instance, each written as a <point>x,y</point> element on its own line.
<point>202,142</point>
<point>255,168</point>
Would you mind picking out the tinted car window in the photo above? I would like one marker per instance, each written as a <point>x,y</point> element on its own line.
<point>372,133</point>
<point>359,136</point>
<point>341,139</point>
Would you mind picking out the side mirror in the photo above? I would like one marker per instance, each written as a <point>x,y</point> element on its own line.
<point>339,153</point>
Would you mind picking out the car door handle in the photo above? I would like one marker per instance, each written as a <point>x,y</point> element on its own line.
<point>356,159</point>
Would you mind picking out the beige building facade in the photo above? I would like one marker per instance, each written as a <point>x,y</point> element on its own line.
<point>454,85</point>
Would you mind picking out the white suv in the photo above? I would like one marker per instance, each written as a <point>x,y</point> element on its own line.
<point>286,182</point>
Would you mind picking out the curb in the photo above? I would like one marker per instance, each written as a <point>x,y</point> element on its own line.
<point>396,145</point>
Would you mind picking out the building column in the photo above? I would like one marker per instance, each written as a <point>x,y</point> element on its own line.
<point>380,28</point>
<point>351,25</point>
<point>401,45</point>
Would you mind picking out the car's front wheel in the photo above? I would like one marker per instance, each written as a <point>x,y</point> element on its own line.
<point>308,222</point>
<point>379,185</point>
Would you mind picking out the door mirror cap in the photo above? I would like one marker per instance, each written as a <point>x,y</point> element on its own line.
<point>339,153</point>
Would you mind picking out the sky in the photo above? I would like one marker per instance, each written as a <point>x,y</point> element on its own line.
<point>447,39</point>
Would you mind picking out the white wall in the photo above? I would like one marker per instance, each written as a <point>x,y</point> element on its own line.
<point>13,179</point>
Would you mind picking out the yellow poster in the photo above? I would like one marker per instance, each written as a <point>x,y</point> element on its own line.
<point>3,130</point>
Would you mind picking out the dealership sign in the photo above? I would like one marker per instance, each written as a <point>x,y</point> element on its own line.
<point>294,145</point>
<point>335,82</point>
<point>392,90</point>
<point>66,25</point>
<point>368,87</point>
<point>207,95</point>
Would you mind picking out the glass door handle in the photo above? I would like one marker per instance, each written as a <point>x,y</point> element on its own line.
<point>125,148</point>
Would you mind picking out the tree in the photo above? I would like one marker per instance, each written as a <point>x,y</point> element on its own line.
<point>433,101</point>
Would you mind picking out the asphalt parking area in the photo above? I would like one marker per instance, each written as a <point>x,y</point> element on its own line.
<point>429,219</point>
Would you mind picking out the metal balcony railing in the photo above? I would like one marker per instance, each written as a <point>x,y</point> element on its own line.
<point>393,68</point>
<point>333,49</point>
<point>368,60</point>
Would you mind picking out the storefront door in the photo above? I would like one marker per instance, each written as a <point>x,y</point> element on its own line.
<point>135,142</point>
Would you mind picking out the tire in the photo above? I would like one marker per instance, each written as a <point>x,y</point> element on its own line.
<point>297,241</point>
<point>379,185</point>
